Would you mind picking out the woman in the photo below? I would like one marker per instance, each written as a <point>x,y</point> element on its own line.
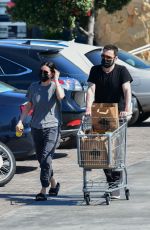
<point>44,98</point>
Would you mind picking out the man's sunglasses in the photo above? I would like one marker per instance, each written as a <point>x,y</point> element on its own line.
<point>107,57</point>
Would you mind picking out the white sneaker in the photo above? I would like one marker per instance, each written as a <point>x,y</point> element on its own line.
<point>115,197</point>
<point>115,194</point>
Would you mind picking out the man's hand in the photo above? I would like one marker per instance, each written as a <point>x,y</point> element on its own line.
<point>125,114</point>
<point>88,111</point>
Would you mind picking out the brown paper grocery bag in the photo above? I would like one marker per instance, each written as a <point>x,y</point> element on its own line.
<point>105,117</point>
<point>94,152</point>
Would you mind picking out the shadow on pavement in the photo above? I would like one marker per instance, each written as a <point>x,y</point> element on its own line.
<point>24,169</point>
<point>56,156</point>
<point>60,155</point>
<point>18,199</point>
<point>67,200</point>
<point>29,199</point>
<point>142,124</point>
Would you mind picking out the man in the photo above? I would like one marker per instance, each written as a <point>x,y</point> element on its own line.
<point>110,83</point>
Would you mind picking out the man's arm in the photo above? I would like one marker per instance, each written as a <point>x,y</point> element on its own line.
<point>127,97</point>
<point>90,98</point>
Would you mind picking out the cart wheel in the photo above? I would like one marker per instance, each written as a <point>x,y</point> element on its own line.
<point>86,194</point>
<point>127,194</point>
<point>87,198</point>
<point>107,198</point>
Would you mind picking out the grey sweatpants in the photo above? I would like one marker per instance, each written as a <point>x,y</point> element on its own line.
<point>45,141</point>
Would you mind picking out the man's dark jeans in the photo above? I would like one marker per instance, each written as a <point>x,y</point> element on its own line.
<point>113,176</point>
<point>45,141</point>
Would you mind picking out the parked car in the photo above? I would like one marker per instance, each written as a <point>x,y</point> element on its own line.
<point>7,165</point>
<point>140,72</point>
<point>139,69</point>
<point>11,103</point>
<point>20,66</point>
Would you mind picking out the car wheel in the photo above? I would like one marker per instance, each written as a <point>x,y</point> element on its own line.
<point>143,117</point>
<point>58,142</point>
<point>70,142</point>
<point>7,165</point>
<point>136,112</point>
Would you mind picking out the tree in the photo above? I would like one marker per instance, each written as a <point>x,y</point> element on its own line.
<point>61,14</point>
<point>49,13</point>
<point>110,6</point>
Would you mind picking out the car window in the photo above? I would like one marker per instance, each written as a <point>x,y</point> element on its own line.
<point>10,67</point>
<point>94,56</point>
<point>133,60</point>
<point>65,66</point>
<point>5,88</point>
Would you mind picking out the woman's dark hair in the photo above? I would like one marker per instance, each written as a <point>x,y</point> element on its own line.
<point>51,65</point>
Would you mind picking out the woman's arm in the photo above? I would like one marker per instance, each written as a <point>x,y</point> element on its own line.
<point>59,90</point>
<point>27,108</point>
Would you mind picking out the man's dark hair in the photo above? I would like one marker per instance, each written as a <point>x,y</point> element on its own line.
<point>111,47</point>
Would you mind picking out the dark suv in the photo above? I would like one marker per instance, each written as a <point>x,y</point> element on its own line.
<point>20,66</point>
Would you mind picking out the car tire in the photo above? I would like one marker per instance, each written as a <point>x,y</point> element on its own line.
<point>143,117</point>
<point>69,143</point>
<point>136,112</point>
<point>7,164</point>
<point>58,142</point>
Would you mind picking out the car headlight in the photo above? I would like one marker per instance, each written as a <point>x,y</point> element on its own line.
<point>71,84</point>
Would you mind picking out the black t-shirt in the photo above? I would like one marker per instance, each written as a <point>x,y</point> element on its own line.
<point>109,85</point>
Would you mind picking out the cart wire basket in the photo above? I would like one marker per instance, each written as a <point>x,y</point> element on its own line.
<point>104,149</point>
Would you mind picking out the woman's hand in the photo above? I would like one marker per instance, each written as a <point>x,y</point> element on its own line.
<point>19,127</point>
<point>56,75</point>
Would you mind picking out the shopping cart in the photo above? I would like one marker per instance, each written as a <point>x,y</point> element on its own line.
<point>102,151</point>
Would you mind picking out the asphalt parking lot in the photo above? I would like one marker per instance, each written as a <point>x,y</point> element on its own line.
<point>18,210</point>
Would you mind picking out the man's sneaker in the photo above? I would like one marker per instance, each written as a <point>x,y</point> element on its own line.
<point>115,194</point>
<point>54,191</point>
<point>115,197</point>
